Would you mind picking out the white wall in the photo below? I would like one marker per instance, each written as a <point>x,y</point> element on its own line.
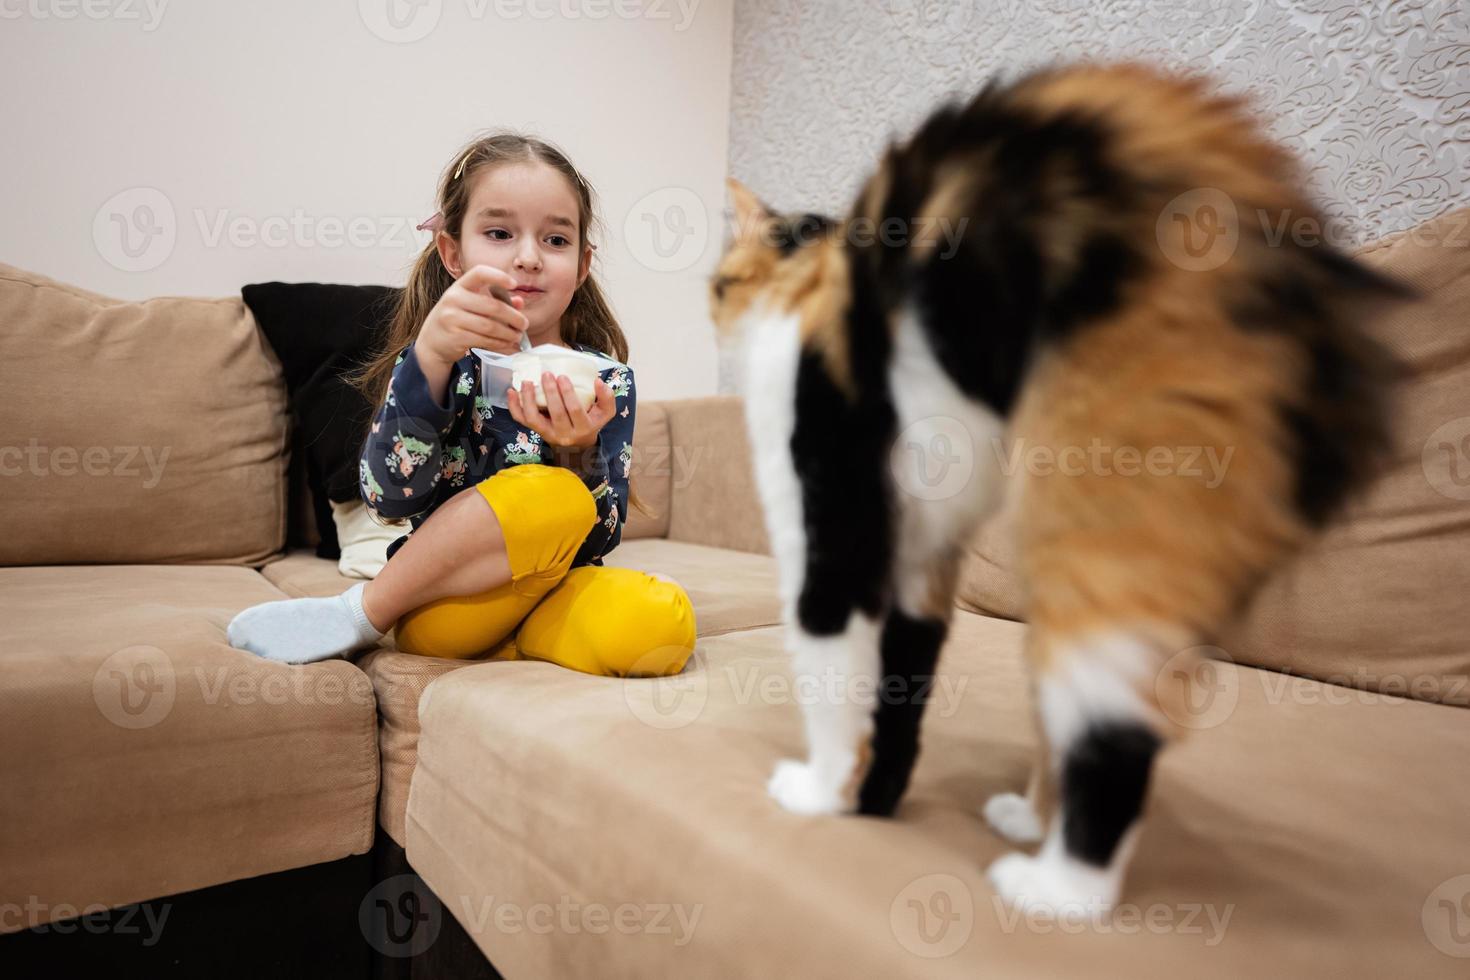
<point>296,141</point>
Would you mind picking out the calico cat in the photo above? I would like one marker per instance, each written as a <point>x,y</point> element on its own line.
<point>1069,306</point>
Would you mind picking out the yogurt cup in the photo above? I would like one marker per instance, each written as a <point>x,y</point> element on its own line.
<point>528,365</point>
<point>501,371</point>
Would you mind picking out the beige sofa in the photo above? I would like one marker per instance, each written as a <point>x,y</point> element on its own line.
<point>1317,823</point>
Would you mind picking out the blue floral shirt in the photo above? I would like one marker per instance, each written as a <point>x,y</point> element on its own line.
<point>420,453</point>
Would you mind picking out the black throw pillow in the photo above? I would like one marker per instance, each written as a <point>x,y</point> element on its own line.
<point>321,331</point>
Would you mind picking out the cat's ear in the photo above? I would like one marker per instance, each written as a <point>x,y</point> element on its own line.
<point>750,213</point>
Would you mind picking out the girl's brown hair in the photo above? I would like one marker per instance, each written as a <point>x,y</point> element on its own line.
<point>588,318</point>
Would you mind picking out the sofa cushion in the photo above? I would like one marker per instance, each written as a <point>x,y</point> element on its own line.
<point>731,590</point>
<point>144,757</point>
<point>398,682</point>
<point>632,816</point>
<point>1378,601</point>
<point>137,432</point>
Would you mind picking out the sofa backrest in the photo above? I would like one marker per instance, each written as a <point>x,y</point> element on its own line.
<point>650,472</point>
<point>137,432</point>
<point>713,499</point>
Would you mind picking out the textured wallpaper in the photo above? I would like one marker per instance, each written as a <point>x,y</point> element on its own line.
<point>1374,95</point>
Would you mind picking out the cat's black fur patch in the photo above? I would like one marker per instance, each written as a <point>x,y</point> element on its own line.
<point>1104,778</point>
<point>805,229</point>
<point>1336,426</point>
<point>909,652</point>
<point>839,452</point>
<point>990,300</point>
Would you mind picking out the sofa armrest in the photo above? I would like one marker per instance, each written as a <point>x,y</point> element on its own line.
<point>713,498</point>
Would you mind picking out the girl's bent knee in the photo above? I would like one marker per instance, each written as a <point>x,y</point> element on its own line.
<point>617,622</point>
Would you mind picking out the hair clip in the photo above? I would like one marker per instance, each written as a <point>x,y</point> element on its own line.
<point>433,223</point>
<point>462,161</point>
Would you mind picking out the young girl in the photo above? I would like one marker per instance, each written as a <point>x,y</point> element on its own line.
<point>525,549</point>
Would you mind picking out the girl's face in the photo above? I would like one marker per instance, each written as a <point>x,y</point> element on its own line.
<point>522,218</point>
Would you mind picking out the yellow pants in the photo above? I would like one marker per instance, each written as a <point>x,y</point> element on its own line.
<point>616,622</point>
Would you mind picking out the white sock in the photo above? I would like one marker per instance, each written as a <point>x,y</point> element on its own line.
<point>301,631</point>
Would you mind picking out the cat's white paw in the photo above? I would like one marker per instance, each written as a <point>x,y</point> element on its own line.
<point>1013,817</point>
<point>801,789</point>
<point>1055,888</point>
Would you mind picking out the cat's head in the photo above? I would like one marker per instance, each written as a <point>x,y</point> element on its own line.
<point>772,261</point>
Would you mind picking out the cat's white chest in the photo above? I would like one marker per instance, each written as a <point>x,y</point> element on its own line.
<point>771,355</point>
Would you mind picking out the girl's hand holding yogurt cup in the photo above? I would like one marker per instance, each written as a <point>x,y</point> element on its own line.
<point>477,311</point>
<point>567,422</point>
